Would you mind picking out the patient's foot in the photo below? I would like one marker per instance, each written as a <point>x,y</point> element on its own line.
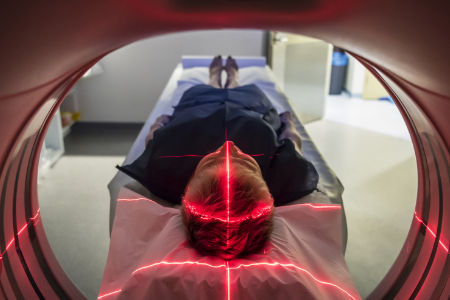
<point>231,68</point>
<point>215,72</point>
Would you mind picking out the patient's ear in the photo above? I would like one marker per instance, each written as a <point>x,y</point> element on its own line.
<point>142,190</point>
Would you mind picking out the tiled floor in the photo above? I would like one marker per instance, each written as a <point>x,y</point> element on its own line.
<point>365,143</point>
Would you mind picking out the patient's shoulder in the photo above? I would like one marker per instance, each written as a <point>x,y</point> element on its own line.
<point>319,196</point>
<point>142,190</point>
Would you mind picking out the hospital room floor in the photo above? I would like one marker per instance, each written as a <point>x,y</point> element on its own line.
<point>364,142</point>
<point>74,200</point>
<point>367,145</point>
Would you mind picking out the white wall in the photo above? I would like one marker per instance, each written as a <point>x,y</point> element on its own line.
<point>302,67</point>
<point>307,78</point>
<point>356,74</point>
<point>135,75</point>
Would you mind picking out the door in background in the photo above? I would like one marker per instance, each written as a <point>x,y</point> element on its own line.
<point>302,66</point>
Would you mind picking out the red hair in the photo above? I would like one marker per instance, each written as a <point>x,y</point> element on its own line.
<point>211,228</point>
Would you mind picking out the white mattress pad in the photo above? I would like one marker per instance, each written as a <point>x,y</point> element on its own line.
<point>150,258</point>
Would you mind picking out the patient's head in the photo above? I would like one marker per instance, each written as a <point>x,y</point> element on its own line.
<point>227,208</point>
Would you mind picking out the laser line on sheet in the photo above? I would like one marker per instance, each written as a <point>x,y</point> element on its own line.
<point>258,212</point>
<point>318,206</point>
<point>137,199</point>
<point>265,264</point>
<point>194,155</point>
<point>296,267</point>
<point>109,294</point>
<point>179,263</point>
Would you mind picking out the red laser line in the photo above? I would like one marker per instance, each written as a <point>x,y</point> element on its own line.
<point>432,233</point>
<point>137,199</point>
<point>228,268</point>
<point>23,228</point>
<point>187,155</point>
<point>322,206</point>
<point>259,212</point>
<point>203,216</point>
<point>301,269</point>
<point>228,281</point>
<point>112,293</point>
<point>252,215</point>
<point>20,231</point>
<point>36,215</point>
<point>194,155</point>
<point>336,206</point>
<point>228,191</point>
<point>178,263</point>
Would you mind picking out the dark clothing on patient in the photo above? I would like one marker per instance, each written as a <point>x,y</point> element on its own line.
<point>204,119</point>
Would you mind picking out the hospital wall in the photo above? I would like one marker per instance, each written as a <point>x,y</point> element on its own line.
<point>355,78</point>
<point>134,77</point>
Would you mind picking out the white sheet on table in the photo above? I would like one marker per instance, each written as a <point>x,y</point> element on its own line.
<point>306,239</point>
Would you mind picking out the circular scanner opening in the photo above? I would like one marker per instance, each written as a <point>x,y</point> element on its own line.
<point>363,139</point>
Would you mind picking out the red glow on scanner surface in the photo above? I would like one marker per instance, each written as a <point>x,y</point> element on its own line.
<point>228,188</point>
<point>20,231</point>
<point>228,212</point>
<point>432,233</point>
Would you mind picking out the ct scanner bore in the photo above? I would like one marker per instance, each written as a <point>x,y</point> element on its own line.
<point>47,46</point>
